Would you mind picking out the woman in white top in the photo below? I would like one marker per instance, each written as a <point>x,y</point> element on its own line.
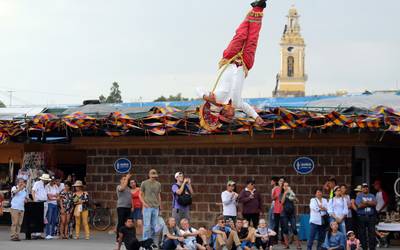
<point>318,208</point>
<point>229,201</point>
<point>338,209</point>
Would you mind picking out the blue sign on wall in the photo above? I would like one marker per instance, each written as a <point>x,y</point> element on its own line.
<point>122,166</point>
<point>303,165</point>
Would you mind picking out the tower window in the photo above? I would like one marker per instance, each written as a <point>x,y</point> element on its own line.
<point>290,66</point>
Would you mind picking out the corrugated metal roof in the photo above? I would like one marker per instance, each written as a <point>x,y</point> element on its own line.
<point>98,110</point>
<point>360,101</point>
<point>144,107</point>
<point>11,113</point>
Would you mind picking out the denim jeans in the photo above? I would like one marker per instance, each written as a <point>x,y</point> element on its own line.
<point>342,226</point>
<point>170,244</point>
<point>316,230</point>
<point>367,231</point>
<point>52,219</point>
<point>271,217</point>
<point>150,219</point>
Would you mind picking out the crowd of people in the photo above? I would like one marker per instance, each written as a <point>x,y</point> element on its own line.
<point>54,206</point>
<point>336,222</point>
<point>343,216</point>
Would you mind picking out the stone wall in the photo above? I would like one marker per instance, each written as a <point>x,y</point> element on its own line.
<point>211,167</point>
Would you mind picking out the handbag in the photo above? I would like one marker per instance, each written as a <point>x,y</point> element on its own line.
<point>324,217</point>
<point>288,207</point>
<point>184,199</point>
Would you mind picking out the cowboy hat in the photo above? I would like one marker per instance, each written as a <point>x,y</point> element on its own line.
<point>45,177</point>
<point>358,188</point>
<point>78,184</point>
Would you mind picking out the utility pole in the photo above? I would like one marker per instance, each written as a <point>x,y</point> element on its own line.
<point>10,92</point>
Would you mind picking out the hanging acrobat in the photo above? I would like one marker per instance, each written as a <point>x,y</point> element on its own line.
<point>238,59</point>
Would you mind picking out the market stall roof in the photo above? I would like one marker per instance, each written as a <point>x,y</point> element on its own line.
<point>100,110</point>
<point>363,101</point>
<point>15,113</point>
<point>257,102</point>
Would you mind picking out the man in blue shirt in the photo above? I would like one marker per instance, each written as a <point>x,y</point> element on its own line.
<point>19,198</point>
<point>366,212</point>
<point>223,237</point>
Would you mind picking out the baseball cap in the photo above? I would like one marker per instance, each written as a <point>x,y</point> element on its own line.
<point>365,184</point>
<point>177,174</point>
<point>231,183</point>
<point>350,232</point>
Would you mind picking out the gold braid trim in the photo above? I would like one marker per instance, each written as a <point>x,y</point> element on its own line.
<point>237,58</point>
<point>255,14</point>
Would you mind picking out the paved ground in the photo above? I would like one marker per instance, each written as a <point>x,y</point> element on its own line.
<point>99,241</point>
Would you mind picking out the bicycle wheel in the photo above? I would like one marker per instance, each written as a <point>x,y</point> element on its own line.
<point>102,219</point>
<point>397,187</point>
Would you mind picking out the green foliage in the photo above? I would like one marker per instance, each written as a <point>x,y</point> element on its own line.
<point>114,96</point>
<point>171,98</point>
<point>2,105</point>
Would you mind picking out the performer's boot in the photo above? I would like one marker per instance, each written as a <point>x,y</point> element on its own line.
<point>259,3</point>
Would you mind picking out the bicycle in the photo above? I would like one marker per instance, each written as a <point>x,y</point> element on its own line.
<point>99,217</point>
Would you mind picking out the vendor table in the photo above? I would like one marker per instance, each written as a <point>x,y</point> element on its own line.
<point>388,227</point>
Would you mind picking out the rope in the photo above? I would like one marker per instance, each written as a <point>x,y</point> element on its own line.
<point>239,55</point>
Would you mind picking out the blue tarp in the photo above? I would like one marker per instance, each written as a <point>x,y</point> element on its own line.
<point>257,102</point>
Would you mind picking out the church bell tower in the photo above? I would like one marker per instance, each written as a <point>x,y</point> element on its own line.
<point>291,79</point>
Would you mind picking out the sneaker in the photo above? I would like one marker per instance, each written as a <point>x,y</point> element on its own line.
<point>48,237</point>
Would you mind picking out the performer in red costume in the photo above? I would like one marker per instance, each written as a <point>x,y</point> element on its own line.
<point>240,56</point>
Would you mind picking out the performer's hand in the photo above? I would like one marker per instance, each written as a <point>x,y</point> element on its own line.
<point>210,98</point>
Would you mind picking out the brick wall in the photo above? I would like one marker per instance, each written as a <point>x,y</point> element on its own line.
<point>211,167</point>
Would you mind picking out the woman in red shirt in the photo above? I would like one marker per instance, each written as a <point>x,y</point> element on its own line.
<point>278,207</point>
<point>137,205</point>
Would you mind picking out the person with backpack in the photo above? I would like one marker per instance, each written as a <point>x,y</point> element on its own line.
<point>182,192</point>
<point>288,215</point>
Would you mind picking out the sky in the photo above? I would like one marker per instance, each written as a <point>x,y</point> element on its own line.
<point>67,51</point>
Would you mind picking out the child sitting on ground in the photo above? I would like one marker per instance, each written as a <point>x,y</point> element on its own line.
<point>263,234</point>
<point>352,242</point>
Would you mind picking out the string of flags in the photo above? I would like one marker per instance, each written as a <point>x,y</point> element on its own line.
<point>162,121</point>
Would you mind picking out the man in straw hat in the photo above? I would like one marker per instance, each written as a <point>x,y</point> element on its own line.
<point>238,59</point>
<point>151,200</point>
<point>39,194</point>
